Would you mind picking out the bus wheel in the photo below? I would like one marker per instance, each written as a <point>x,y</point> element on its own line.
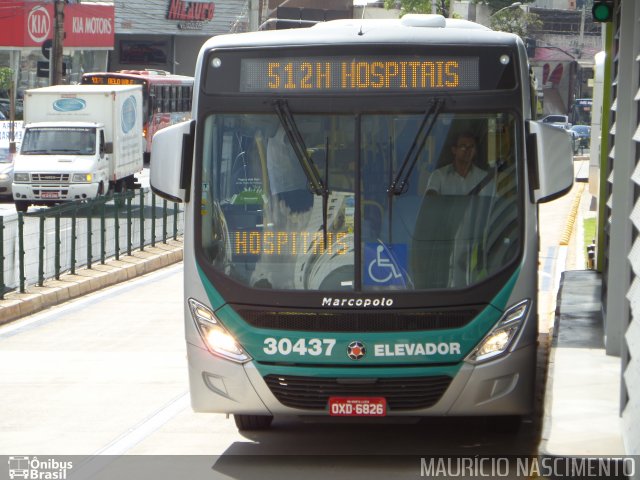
<point>253,422</point>
<point>507,424</point>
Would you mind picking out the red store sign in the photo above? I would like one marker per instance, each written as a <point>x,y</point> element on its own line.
<point>191,11</point>
<point>29,24</point>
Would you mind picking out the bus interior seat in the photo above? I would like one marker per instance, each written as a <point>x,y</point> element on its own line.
<point>438,236</point>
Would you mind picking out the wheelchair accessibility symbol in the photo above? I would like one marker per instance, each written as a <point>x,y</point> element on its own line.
<point>385,264</point>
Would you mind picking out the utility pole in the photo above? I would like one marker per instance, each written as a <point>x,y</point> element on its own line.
<point>55,67</point>
<point>581,39</point>
<point>254,20</point>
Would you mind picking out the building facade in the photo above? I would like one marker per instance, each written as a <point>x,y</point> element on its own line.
<point>619,210</point>
<point>167,34</point>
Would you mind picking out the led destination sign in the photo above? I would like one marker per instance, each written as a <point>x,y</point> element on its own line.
<point>96,80</point>
<point>349,74</point>
<point>289,243</point>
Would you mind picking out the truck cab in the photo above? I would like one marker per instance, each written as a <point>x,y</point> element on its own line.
<point>61,162</point>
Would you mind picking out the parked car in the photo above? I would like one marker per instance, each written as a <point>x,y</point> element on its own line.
<point>5,108</point>
<point>561,121</point>
<point>581,135</point>
<point>6,172</point>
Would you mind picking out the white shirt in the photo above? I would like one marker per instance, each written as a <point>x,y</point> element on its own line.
<point>446,181</point>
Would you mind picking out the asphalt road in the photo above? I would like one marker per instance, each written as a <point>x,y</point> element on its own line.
<point>106,375</point>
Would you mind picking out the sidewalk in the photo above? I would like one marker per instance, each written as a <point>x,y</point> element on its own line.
<point>16,305</point>
<point>581,404</point>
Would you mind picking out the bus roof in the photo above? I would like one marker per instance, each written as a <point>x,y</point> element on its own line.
<point>82,89</point>
<point>158,76</point>
<point>409,29</point>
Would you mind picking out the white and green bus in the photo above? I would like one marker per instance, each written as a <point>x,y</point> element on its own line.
<point>322,275</point>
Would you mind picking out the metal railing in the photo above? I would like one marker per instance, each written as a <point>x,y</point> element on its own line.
<point>46,243</point>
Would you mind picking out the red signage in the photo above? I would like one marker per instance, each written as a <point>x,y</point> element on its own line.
<point>29,24</point>
<point>190,11</point>
<point>39,25</point>
<point>89,25</point>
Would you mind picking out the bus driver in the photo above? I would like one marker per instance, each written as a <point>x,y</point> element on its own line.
<point>461,176</point>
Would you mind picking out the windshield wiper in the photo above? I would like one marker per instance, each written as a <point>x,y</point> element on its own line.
<point>325,193</point>
<point>299,148</point>
<point>429,118</point>
<point>316,184</point>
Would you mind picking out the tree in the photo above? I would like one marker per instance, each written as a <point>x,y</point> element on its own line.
<point>6,83</point>
<point>6,78</point>
<point>512,20</point>
<point>496,5</point>
<point>420,6</point>
<point>515,20</point>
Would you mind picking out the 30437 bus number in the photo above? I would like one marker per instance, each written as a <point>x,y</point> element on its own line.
<point>303,346</point>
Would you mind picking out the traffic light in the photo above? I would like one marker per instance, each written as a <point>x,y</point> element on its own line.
<point>530,44</point>
<point>602,10</point>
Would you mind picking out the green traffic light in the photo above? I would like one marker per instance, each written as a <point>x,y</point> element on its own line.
<point>602,12</point>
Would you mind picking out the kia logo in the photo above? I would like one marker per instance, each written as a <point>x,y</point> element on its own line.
<point>39,24</point>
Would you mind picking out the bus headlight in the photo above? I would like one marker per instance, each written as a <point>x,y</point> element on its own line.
<point>499,339</point>
<point>82,178</point>
<point>217,339</point>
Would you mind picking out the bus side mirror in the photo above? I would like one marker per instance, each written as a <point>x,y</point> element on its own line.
<point>171,160</point>
<point>550,160</point>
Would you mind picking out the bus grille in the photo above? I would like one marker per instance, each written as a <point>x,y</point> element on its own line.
<point>336,321</point>
<point>312,393</point>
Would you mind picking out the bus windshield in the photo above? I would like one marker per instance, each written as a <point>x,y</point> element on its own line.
<point>453,222</point>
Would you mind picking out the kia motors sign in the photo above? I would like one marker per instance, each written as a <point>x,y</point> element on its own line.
<point>89,25</point>
<point>29,24</point>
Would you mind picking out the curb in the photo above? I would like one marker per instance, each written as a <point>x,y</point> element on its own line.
<point>87,280</point>
<point>573,214</point>
<point>553,334</point>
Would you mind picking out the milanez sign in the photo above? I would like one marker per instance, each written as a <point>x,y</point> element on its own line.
<point>191,15</point>
<point>30,24</point>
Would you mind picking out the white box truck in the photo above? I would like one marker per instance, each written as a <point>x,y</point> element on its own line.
<point>79,142</point>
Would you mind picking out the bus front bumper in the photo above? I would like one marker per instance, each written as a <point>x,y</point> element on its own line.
<point>503,386</point>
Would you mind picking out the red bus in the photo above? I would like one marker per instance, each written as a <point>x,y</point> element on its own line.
<point>166,97</point>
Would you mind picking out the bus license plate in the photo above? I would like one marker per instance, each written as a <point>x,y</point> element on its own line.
<point>357,406</point>
<point>49,194</point>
